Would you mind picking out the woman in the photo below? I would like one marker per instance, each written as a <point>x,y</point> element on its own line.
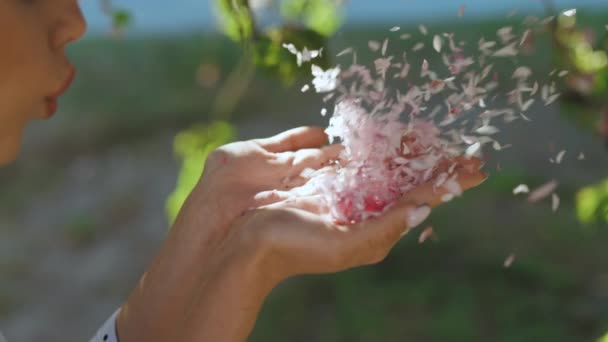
<point>235,238</point>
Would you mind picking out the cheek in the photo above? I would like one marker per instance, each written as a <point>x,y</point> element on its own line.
<point>20,98</point>
<point>17,107</point>
<point>24,68</point>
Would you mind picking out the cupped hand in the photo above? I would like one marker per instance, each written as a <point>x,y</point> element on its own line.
<point>241,232</point>
<point>298,236</point>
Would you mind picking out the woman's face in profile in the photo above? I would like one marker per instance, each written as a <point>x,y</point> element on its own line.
<point>34,69</point>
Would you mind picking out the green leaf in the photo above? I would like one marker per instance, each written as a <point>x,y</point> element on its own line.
<point>275,61</point>
<point>235,19</point>
<point>603,338</point>
<point>592,203</point>
<point>121,19</point>
<point>322,16</point>
<point>192,147</point>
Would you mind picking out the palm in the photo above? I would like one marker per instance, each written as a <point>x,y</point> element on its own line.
<point>302,233</point>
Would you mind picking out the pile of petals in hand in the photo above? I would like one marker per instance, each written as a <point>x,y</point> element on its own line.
<point>383,158</point>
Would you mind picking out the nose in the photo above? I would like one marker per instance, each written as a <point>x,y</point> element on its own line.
<point>68,24</point>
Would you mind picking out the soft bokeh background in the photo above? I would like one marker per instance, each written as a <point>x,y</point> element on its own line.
<point>83,210</point>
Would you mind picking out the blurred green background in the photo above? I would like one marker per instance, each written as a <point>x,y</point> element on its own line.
<point>84,209</point>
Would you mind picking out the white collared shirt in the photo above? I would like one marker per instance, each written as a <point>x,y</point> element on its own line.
<point>107,332</point>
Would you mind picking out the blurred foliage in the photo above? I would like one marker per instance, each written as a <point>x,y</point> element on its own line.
<point>592,203</point>
<point>193,146</point>
<point>274,59</point>
<point>81,230</point>
<point>584,53</point>
<point>321,16</point>
<point>235,19</point>
<point>304,23</point>
<point>121,18</point>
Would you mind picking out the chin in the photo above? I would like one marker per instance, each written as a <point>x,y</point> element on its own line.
<point>6,159</point>
<point>9,149</point>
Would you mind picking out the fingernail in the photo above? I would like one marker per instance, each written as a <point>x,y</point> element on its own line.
<point>447,197</point>
<point>453,187</point>
<point>417,216</point>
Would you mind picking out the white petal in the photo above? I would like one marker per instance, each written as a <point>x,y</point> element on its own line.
<point>471,150</point>
<point>437,43</point>
<point>487,130</point>
<point>345,51</point>
<point>560,157</point>
<point>554,202</point>
<point>423,30</point>
<point>428,232</point>
<point>384,46</point>
<point>521,189</point>
<point>418,47</point>
<point>507,51</point>
<point>291,48</point>
<point>316,70</point>
<point>509,261</point>
<point>542,191</point>
<point>373,45</point>
<point>522,72</point>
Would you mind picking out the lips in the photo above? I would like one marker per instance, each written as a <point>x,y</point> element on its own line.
<point>52,100</point>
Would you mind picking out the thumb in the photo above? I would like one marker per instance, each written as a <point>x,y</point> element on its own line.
<point>382,232</point>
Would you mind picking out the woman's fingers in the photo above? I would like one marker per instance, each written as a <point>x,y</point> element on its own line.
<point>433,194</point>
<point>291,165</point>
<point>370,241</point>
<point>470,165</point>
<point>320,246</point>
<point>315,158</point>
<point>312,204</point>
<point>269,197</point>
<point>295,139</point>
<point>373,239</point>
<point>311,159</point>
<point>392,224</point>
